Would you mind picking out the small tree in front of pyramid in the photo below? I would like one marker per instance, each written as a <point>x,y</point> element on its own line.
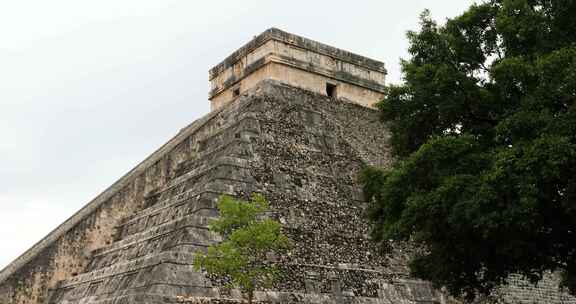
<point>248,238</point>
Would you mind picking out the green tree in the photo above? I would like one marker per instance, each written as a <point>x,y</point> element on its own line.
<point>249,237</point>
<point>484,134</point>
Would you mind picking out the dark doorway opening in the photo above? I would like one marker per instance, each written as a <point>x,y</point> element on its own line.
<point>330,90</point>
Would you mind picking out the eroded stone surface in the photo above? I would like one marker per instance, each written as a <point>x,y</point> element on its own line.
<point>299,149</point>
<point>299,62</point>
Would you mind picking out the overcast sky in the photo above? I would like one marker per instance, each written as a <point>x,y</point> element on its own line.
<point>88,89</point>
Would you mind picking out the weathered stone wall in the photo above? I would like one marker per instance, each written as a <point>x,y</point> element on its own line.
<point>518,290</point>
<point>299,62</point>
<point>300,149</point>
<point>67,250</point>
<point>305,43</point>
<point>296,147</point>
<point>270,68</point>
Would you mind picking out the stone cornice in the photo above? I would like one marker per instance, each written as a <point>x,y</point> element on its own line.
<point>298,41</point>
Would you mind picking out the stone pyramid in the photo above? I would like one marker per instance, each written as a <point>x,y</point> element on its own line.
<point>300,147</point>
<point>301,150</point>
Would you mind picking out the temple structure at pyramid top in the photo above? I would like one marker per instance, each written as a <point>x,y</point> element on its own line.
<point>299,62</point>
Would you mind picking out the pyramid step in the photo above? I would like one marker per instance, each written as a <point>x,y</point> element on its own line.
<point>190,211</point>
<point>240,126</point>
<point>193,203</point>
<point>239,148</point>
<point>190,233</point>
<point>198,169</point>
<point>184,203</point>
<point>197,178</point>
<point>139,276</point>
<point>196,218</point>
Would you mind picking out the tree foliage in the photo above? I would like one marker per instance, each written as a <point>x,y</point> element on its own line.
<point>484,132</point>
<point>248,238</point>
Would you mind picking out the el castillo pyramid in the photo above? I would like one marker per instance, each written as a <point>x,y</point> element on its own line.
<point>290,119</point>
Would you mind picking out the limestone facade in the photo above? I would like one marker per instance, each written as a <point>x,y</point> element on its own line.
<point>299,62</point>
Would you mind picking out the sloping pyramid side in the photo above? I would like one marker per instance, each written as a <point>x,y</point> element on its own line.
<point>303,152</point>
